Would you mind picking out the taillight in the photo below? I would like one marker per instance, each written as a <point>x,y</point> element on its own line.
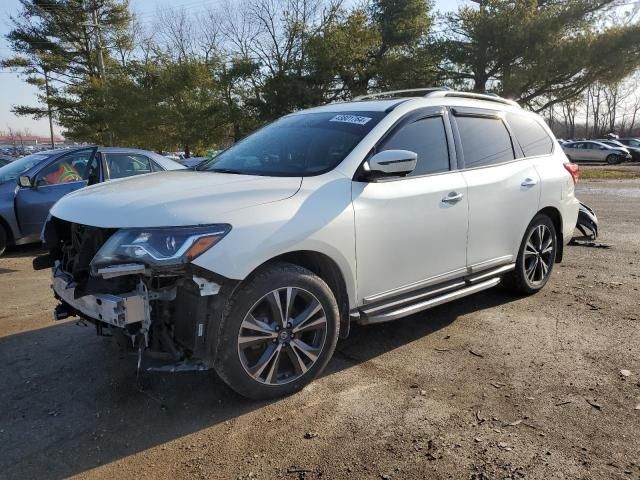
<point>574,170</point>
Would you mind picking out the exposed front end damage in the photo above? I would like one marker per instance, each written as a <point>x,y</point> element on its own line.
<point>166,314</point>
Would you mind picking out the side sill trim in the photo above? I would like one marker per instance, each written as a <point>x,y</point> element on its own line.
<point>433,302</point>
<point>416,286</point>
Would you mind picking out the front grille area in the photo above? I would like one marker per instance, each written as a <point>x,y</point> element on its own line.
<point>75,245</point>
<point>85,243</point>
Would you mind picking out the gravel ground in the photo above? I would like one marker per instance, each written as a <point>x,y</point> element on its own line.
<point>492,386</point>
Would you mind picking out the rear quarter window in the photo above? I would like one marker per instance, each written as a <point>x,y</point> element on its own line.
<point>485,141</point>
<point>530,134</point>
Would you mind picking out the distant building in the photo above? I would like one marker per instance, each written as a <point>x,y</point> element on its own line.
<point>28,140</point>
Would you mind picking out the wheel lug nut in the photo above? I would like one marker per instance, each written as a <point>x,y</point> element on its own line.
<point>289,325</point>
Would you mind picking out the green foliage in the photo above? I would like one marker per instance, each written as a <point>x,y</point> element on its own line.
<point>531,50</point>
<point>206,82</point>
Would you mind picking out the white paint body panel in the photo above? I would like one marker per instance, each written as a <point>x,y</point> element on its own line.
<point>166,199</point>
<point>403,227</point>
<point>382,236</point>
<point>500,209</point>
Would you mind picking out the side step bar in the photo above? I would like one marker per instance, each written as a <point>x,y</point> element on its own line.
<point>388,315</point>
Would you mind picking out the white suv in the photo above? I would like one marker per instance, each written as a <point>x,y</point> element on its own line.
<point>364,211</point>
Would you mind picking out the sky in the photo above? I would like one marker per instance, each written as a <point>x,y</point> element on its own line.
<point>14,91</point>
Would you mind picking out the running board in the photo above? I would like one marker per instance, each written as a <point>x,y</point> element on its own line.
<point>388,315</point>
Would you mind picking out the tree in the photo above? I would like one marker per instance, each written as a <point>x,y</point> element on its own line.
<point>59,47</point>
<point>534,49</point>
<point>380,47</point>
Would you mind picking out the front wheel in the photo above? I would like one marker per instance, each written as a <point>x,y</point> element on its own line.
<point>536,257</point>
<point>280,331</point>
<point>613,159</point>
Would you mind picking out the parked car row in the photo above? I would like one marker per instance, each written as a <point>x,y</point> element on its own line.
<point>30,185</point>
<point>611,151</point>
<point>5,159</point>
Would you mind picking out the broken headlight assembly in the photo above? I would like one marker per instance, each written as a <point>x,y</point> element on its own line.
<point>158,247</point>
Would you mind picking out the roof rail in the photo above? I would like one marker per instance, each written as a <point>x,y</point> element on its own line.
<point>489,97</point>
<point>411,92</point>
<point>437,92</point>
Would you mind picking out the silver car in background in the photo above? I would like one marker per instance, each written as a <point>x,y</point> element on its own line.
<point>593,151</point>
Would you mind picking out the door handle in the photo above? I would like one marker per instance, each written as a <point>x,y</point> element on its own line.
<point>453,197</point>
<point>529,182</point>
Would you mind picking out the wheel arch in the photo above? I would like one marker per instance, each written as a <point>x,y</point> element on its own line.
<point>7,228</point>
<point>556,217</point>
<point>327,269</point>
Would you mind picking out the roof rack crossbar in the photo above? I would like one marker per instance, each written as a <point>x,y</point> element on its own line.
<point>417,92</point>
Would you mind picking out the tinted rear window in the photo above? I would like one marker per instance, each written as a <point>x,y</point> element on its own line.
<point>485,141</point>
<point>531,136</point>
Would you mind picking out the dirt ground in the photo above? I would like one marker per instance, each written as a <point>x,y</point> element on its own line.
<point>492,386</point>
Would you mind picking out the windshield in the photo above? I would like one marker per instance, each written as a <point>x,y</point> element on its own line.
<point>634,143</point>
<point>297,145</point>
<point>18,167</point>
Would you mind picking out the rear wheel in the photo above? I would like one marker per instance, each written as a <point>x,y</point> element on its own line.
<point>280,332</point>
<point>613,159</point>
<point>3,239</point>
<point>536,257</point>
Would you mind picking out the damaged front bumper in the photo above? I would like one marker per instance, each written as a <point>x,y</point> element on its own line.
<point>167,312</point>
<point>116,310</point>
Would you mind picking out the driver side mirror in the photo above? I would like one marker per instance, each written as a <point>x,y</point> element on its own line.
<point>392,162</point>
<point>24,181</point>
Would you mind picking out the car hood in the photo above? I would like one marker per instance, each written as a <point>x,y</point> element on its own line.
<point>176,198</point>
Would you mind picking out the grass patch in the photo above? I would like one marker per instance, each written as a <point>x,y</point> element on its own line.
<point>607,174</point>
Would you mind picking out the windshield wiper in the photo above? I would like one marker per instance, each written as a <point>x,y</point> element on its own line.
<point>227,170</point>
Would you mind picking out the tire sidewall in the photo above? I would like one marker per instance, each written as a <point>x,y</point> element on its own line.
<point>228,364</point>
<point>527,286</point>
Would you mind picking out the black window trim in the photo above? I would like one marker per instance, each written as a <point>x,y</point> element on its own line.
<point>411,117</point>
<point>483,113</point>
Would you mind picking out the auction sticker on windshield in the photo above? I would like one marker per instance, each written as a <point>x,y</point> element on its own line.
<point>350,119</point>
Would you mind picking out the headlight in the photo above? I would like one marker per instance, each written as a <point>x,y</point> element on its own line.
<point>158,246</point>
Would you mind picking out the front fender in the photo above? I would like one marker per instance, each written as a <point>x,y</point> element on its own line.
<point>318,218</point>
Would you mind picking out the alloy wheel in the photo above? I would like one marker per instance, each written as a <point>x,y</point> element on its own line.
<point>282,336</point>
<point>538,254</point>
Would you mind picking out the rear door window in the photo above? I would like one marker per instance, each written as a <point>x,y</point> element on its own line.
<point>123,165</point>
<point>485,141</point>
<point>427,138</point>
<point>531,136</point>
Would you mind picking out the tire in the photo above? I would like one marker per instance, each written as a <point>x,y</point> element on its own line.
<point>260,356</point>
<point>613,159</point>
<point>3,240</point>
<point>526,278</point>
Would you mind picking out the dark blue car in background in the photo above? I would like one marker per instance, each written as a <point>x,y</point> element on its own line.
<point>31,185</point>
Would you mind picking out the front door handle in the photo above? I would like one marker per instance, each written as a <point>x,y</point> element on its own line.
<point>529,182</point>
<point>453,197</point>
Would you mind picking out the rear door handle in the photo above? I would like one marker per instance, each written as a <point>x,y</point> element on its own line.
<point>453,197</point>
<point>529,182</point>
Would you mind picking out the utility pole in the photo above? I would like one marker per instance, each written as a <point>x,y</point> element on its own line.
<point>99,48</point>
<point>46,85</point>
<point>96,25</point>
